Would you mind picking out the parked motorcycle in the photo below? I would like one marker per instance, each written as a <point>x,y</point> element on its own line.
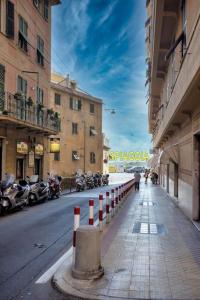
<point>105,179</point>
<point>97,179</point>
<point>13,195</point>
<point>39,190</point>
<point>54,186</point>
<point>89,182</point>
<point>80,183</point>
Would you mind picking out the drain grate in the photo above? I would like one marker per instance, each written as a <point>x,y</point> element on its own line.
<point>148,228</point>
<point>147,203</point>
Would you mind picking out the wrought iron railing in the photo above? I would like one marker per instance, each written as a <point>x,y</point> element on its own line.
<point>19,108</point>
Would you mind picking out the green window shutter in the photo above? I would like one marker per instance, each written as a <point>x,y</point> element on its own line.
<point>79,104</point>
<point>71,103</point>
<point>10,14</point>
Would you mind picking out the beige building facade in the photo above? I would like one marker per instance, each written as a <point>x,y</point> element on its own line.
<point>80,138</point>
<point>173,77</point>
<point>25,55</point>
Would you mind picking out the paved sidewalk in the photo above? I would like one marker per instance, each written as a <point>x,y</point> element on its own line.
<point>150,251</point>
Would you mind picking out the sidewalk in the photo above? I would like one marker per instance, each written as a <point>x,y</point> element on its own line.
<point>158,259</point>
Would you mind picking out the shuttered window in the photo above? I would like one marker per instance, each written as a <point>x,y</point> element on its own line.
<point>75,104</point>
<point>2,85</point>
<point>46,9</point>
<point>74,128</point>
<point>57,99</point>
<point>92,158</point>
<point>10,19</point>
<point>23,34</point>
<point>40,51</point>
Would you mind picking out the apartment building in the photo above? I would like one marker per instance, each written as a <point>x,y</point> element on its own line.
<point>79,144</point>
<point>173,78</point>
<point>25,68</point>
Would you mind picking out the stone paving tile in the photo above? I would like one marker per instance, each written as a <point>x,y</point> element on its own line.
<point>157,266</point>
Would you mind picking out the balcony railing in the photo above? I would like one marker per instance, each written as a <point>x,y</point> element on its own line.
<point>19,108</point>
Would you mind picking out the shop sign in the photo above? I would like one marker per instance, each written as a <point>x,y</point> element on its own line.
<point>54,146</point>
<point>39,149</point>
<point>22,148</point>
<point>31,159</point>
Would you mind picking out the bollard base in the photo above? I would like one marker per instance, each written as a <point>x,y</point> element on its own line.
<point>88,275</point>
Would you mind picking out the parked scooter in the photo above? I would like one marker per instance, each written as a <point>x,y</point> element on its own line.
<point>89,182</point>
<point>54,186</point>
<point>13,195</point>
<point>39,190</point>
<point>80,183</point>
<point>105,179</point>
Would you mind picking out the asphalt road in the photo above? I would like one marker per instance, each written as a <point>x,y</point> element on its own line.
<point>32,240</point>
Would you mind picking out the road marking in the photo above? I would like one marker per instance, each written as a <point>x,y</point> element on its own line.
<point>49,273</point>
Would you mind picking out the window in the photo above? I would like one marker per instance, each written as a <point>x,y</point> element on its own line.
<point>40,112</point>
<point>184,20</point>
<point>92,158</point>
<point>75,104</point>
<point>93,132</point>
<point>2,86</point>
<point>40,51</point>
<point>10,19</point>
<point>57,99</point>
<point>57,156</point>
<point>75,155</point>
<point>23,34</point>
<point>46,9</point>
<point>92,108</point>
<point>36,3</point>
<point>74,128</point>
<point>19,168</point>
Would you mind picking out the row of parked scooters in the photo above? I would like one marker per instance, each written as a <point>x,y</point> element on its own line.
<point>27,192</point>
<point>90,181</point>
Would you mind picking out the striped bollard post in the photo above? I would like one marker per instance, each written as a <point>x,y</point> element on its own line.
<point>107,207</point>
<point>91,212</point>
<point>120,200</point>
<point>116,199</point>
<point>112,202</point>
<point>101,212</point>
<point>76,225</point>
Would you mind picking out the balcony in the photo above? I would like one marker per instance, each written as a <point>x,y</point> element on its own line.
<point>22,113</point>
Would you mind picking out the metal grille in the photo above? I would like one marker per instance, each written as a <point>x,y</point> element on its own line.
<point>148,228</point>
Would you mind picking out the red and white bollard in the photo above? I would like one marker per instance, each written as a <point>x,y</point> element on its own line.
<point>112,202</point>
<point>91,212</point>
<point>116,199</point>
<point>76,225</point>
<point>107,207</point>
<point>119,195</point>
<point>101,212</point>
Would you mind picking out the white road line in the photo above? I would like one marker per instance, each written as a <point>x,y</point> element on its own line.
<point>49,273</point>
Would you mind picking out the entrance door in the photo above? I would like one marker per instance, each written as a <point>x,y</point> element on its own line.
<point>1,152</point>
<point>38,167</point>
<point>175,180</point>
<point>20,164</point>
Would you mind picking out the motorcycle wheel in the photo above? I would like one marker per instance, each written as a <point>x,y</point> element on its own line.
<point>2,211</point>
<point>30,200</point>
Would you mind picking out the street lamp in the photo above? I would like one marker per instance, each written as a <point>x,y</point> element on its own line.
<point>111,110</point>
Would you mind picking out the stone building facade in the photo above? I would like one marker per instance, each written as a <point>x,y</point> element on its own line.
<point>173,77</point>
<point>25,56</point>
<point>80,138</point>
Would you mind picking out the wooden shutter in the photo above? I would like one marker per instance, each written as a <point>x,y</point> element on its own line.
<point>10,19</point>
<point>71,102</point>
<point>79,104</point>
<point>2,85</point>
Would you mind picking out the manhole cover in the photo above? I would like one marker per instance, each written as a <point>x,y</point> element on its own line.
<point>148,228</point>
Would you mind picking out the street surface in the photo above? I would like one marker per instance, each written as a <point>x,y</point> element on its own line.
<point>34,239</point>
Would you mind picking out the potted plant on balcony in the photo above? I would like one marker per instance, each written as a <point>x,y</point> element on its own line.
<point>29,102</point>
<point>40,106</point>
<point>18,96</point>
<point>50,113</point>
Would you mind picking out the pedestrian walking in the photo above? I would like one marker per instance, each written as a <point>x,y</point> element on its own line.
<point>146,175</point>
<point>137,181</point>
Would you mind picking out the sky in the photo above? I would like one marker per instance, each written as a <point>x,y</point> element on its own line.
<point>101,44</point>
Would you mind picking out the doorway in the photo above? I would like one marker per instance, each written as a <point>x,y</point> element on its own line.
<point>175,180</point>
<point>167,178</point>
<point>38,167</point>
<point>20,166</point>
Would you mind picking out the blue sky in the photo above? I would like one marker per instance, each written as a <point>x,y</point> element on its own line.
<point>100,43</point>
